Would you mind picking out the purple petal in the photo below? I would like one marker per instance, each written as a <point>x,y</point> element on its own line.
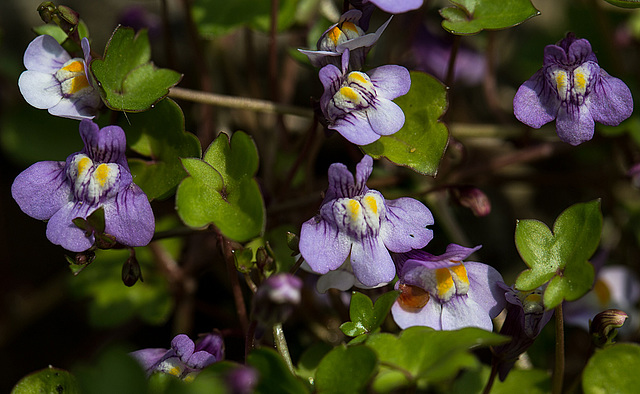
<point>39,89</point>
<point>322,58</point>
<point>483,287</point>
<point>419,259</point>
<point>213,344</point>
<point>610,102</point>
<point>405,227</point>
<point>150,358</point>
<point>129,217</point>
<point>61,230</point>
<point>397,7</point>
<point>355,127</point>
<point>580,51</point>
<point>574,124</point>
<point>390,81</point>
<point>183,346</point>
<point>82,107</point>
<point>363,172</point>
<point>330,77</point>
<point>386,118</point>
<point>462,311</point>
<point>41,190</point>
<point>200,360</point>
<point>371,262</point>
<point>428,315</point>
<point>106,145</point>
<point>534,104</point>
<point>322,246</point>
<point>337,279</point>
<point>341,183</point>
<point>554,55</point>
<point>44,54</point>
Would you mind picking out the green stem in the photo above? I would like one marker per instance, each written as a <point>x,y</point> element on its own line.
<point>558,371</point>
<point>281,345</point>
<point>492,377</point>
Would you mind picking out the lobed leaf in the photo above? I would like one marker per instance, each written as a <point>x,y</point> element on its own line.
<point>346,369</point>
<point>274,374</point>
<point>48,380</point>
<point>472,16</point>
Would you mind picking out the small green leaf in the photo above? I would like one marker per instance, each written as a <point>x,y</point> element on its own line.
<point>531,381</point>
<point>220,189</point>
<point>159,135</point>
<point>613,370</point>
<point>127,79</point>
<point>427,355</point>
<point>115,371</point>
<point>561,257</point>
<point>422,140</point>
<point>310,360</point>
<point>48,380</point>
<point>346,369</point>
<point>473,16</point>
<point>274,374</point>
<point>625,3</point>
<point>365,317</point>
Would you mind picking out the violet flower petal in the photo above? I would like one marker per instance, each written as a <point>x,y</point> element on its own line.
<point>81,107</point>
<point>391,81</point>
<point>200,360</point>
<point>129,217</point>
<point>463,311</point>
<point>106,145</point>
<point>534,106</point>
<point>364,168</point>
<point>183,346</point>
<point>355,127</point>
<point>405,227</point>
<point>483,287</point>
<point>429,315</point>
<point>150,358</point>
<point>44,54</point>
<point>397,6</point>
<point>324,248</point>
<point>574,124</point>
<point>371,262</point>
<point>386,118</point>
<point>61,230</point>
<point>341,182</point>
<point>41,190</point>
<point>610,102</point>
<point>39,89</point>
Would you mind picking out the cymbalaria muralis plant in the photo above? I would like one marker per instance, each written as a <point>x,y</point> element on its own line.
<point>287,196</point>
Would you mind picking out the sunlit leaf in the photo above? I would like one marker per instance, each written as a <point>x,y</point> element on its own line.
<point>48,380</point>
<point>365,316</point>
<point>473,16</point>
<point>345,369</point>
<point>613,370</point>
<point>625,3</point>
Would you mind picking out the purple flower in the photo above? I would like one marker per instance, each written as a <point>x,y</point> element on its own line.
<point>572,89</point>
<point>276,299</point>
<point>358,105</point>
<point>56,82</point>
<point>346,34</point>
<point>98,176</point>
<point>391,6</point>
<point>525,319</point>
<point>184,359</point>
<point>360,224</point>
<point>445,293</point>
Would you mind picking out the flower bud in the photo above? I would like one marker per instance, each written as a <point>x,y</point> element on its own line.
<point>263,260</point>
<point>293,242</point>
<point>603,327</point>
<point>472,198</point>
<point>243,259</point>
<point>276,299</point>
<point>131,271</point>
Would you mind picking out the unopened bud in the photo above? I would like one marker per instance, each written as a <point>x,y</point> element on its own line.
<point>276,299</point>
<point>46,9</point>
<point>472,198</point>
<point>603,327</point>
<point>293,242</point>
<point>243,259</point>
<point>105,241</point>
<point>131,271</point>
<point>263,259</point>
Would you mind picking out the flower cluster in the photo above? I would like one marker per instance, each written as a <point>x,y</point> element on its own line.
<point>57,82</point>
<point>572,89</point>
<point>98,176</point>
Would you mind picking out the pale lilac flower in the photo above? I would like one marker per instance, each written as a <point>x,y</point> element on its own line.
<point>57,82</point>
<point>572,89</point>
<point>359,224</point>
<point>184,359</point>
<point>391,6</point>
<point>346,34</point>
<point>98,176</point>
<point>526,317</point>
<point>358,105</point>
<point>446,293</point>
<point>276,299</point>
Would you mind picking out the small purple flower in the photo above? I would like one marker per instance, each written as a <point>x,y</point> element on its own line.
<point>445,293</point>
<point>98,176</point>
<point>526,317</point>
<point>184,359</point>
<point>358,105</point>
<point>572,89</point>
<point>360,224</point>
<point>56,82</point>
<point>276,299</point>
<point>346,34</point>
<point>391,6</point>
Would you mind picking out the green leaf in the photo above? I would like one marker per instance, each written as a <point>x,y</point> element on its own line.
<point>561,257</point>
<point>422,140</point>
<point>159,135</point>
<point>127,79</point>
<point>115,371</point>
<point>429,356</point>
<point>346,370</point>
<point>48,380</point>
<point>274,374</point>
<point>613,370</point>
<point>220,189</point>
<point>472,16</point>
<point>365,317</point>
<point>625,3</point>
<point>532,381</point>
<point>56,32</point>
<point>214,18</point>
<point>310,360</point>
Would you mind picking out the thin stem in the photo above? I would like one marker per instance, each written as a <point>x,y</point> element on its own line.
<point>239,102</point>
<point>452,61</point>
<point>273,53</point>
<point>250,340</point>
<point>297,265</point>
<point>167,35</point>
<point>492,377</point>
<point>558,371</point>
<point>281,345</point>
<point>235,283</point>
<point>303,154</point>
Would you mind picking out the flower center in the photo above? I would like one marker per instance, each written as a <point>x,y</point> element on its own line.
<point>92,181</point>
<point>573,85</point>
<point>356,93</point>
<point>172,366</point>
<point>359,216</point>
<point>446,282</point>
<point>72,78</point>
<point>412,297</point>
<point>339,34</point>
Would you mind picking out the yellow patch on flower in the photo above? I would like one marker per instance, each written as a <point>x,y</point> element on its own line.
<point>561,82</point>
<point>83,165</point>
<point>371,204</point>
<point>334,35</point>
<point>354,208</point>
<point>350,26</point>
<point>445,286</point>
<point>102,174</point>
<point>74,67</point>
<point>78,83</point>
<point>350,94</point>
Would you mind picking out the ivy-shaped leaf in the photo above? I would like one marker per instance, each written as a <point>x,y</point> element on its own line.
<point>48,380</point>
<point>127,79</point>
<point>472,16</point>
<point>561,257</point>
<point>613,370</point>
<point>220,189</point>
<point>159,135</point>
<point>346,369</point>
<point>274,374</point>
<point>365,316</point>
<point>428,355</point>
<point>422,140</point>
<point>625,3</point>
